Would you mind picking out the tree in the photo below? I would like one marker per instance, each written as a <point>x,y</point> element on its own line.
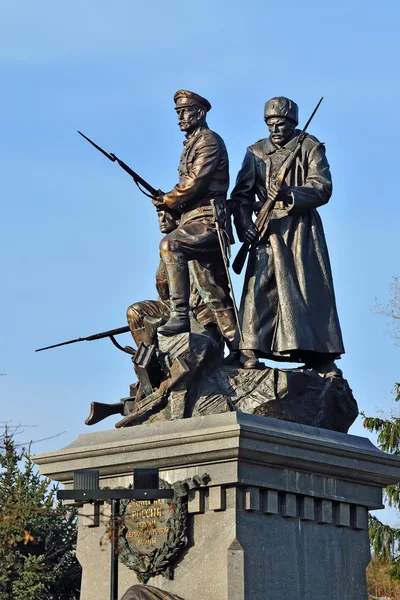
<point>392,309</point>
<point>37,533</point>
<point>385,540</point>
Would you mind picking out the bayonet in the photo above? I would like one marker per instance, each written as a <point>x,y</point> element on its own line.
<point>97,336</point>
<point>140,182</point>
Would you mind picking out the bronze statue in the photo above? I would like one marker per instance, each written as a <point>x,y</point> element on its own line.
<point>146,316</point>
<point>148,592</point>
<point>203,176</point>
<point>288,309</point>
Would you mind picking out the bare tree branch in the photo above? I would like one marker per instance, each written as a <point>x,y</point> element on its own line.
<point>391,309</point>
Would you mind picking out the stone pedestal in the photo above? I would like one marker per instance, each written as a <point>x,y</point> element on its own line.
<point>283,517</point>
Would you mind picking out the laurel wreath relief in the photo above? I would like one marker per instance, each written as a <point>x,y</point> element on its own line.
<point>159,561</point>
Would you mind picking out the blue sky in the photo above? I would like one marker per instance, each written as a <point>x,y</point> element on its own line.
<point>79,243</point>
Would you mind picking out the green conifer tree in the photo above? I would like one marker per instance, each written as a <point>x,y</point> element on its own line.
<point>37,533</point>
<point>385,540</point>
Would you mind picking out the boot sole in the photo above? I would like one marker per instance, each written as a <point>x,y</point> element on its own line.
<point>170,332</point>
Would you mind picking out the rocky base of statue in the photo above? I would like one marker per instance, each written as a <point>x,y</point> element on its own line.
<point>208,387</point>
<point>185,359</point>
<point>298,395</point>
<point>197,383</point>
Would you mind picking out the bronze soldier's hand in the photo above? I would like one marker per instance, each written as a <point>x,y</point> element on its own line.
<point>250,235</point>
<point>282,194</point>
<point>158,201</point>
<point>257,206</point>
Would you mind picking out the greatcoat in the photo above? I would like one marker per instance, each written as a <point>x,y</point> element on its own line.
<point>288,306</point>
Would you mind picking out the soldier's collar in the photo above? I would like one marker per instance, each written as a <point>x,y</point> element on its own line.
<point>270,148</point>
<point>193,134</point>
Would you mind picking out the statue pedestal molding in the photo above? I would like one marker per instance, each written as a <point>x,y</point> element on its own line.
<point>283,515</point>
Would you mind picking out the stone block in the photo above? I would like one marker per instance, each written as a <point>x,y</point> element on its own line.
<point>289,505</point>
<point>324,511</point>
<point>342,515</point>
<point>216,498</point>
<point>271,502</point>
<point>359,517</point>
<point>195,502</point>
<point>283,516</point>
<point>307,508</point>
<point>252,498</point>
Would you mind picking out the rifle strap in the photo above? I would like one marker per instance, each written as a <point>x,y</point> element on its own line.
<point>142,190</point>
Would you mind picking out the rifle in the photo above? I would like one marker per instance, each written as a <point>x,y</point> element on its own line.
<point>98,336</point>
<point>265,213</point>
<point>225,259</point>
<point>140,182</point>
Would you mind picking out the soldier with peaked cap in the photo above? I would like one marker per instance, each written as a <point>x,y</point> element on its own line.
<point>203,176</point>
<point>288,309</point>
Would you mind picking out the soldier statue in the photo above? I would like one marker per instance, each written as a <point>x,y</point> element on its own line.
<point>288,309</point>
<point>203,176</point>
<point>148,592</point>
<point>144,317</point>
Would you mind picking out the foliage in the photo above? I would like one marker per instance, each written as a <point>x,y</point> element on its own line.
<point>385,540</point>
<point>380,584</point>
<point>392,309</point>
<point>388,430</point>
<point>37,534</point>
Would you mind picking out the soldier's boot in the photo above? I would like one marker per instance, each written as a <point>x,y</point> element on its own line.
<point>330,369</point>
<point>226,321</point>
<point>214,333</point>
<point>233,357</point>
<point>179,293</point>
<point>324,364</point>
<point>249,360</point>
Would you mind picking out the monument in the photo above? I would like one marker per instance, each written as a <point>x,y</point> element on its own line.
<point>271,494</point>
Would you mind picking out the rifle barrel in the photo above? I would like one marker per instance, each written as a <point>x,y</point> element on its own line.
<point>109,156</point>
<point>104,334</point>
<point>96,336</point>
<point>62,344</point>
<point>304,131</point>
<point>136,178</point>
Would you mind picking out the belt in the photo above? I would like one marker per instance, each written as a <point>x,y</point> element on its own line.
<point>203,212</point>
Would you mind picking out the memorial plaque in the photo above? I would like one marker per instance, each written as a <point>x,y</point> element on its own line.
<point>154,532</point>
<point>148,523</point>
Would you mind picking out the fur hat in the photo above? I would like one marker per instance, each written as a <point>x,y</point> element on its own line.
<point>281,107</point>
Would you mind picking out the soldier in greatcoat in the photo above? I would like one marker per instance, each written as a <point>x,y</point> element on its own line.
<point>288,309</point>
<point>203,176</point>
